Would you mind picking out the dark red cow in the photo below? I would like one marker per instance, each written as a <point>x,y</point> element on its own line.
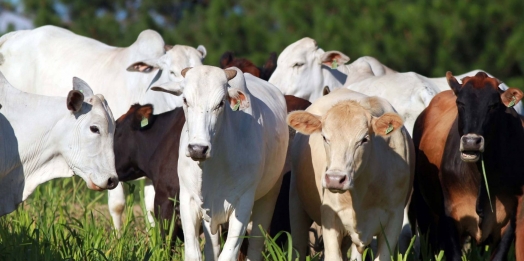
<point>147,145</point>
<point>473,122</point>
<point>228,60</point>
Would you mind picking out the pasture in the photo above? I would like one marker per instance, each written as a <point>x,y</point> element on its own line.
<point>64,220</point>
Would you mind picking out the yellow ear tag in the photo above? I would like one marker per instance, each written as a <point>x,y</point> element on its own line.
<point>144,122</point>
<point>389,129</point>
<point>334,64</point>
<point>82,91</point>
<point>512,103</point>
<point>237,106</point>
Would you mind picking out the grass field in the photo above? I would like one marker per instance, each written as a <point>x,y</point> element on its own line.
<point>63,220</point>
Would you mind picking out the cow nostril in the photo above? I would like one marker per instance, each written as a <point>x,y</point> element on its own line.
<point>112,182</point>
<point>204,149</point>
<point>342,180</point>
<point>477,141</point>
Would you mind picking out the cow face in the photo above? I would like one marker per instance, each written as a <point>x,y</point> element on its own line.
<point>207,97</point>
<point>128,127</point>
<point>349,133</point>
<point>479,102</point>
<point>87,143</point>
<point>171,63</point>
<point>302,70</point>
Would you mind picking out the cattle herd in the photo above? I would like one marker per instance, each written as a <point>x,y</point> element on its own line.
<point>363,151</point>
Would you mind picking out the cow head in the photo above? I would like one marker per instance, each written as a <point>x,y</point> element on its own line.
<point>172,62</point>
<point>228,59</point>
<point>480,103</point>
<point>87,144</point>
<point>350,134</point>
<point>207,97</point>
<point>303,70</point>
<point>128,127</point>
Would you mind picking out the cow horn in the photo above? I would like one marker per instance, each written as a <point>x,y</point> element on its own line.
<point>184,71</point>
<point>230,74</point>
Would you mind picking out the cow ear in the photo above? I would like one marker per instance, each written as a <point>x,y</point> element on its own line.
<point>83,87</point>
<point>325,91</point>
<point>387,123</point>
<point>169,87</point>
<point>184,71</point>
<point>143,116</point>
<point>146,66</point>
<point>237,99</point>
<point>225,59</point>
<point>453,83</point>
<point>269,67</point>
<point>333,59</point>
<point>304,122</point>
<point>202,51</point>
<point>75,99</point>
<point>511,97</point>
<point>230,74</point>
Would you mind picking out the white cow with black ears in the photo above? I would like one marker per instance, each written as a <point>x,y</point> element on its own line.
<point>42,138</point>
<point>232,152</point>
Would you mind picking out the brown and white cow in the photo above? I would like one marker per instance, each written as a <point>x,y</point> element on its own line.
<point>471,127</point>
<point>352,171</point>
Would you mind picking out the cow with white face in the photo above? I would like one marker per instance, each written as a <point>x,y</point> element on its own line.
<point>232,152</point>
<point>27,55</point>
<point>304,69</point>
<point>167,69</point>
<point>42,138</point>
<point>349,148</point>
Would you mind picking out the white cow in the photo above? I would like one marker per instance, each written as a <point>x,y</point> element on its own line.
<point>304,70</point>
<point>352,172</point>
<point>43,61</point>
<point>232,152</point>
<point>42,138</point>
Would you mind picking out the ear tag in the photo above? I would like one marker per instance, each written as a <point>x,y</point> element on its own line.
<point>144,122</point>
<point>237,106</point>
<point>334,64</point>
<point>389,129</point>
<point>82,91</point>
<point>512,103</point>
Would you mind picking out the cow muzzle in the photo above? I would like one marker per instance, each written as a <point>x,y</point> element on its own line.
<point>471,146</point>
<point>110,183</point>
<point>337,182</point>
<point>198,152</point>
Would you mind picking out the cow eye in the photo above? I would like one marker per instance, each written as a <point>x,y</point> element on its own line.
<point>364,140</point>
<point>219,105</point>
<point>94,129</point>
<point>298,65</point>
<point>325,140</point>
<point>185,101</point>
<point>493,106</point>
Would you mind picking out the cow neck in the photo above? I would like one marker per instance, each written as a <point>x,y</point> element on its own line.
<point>38,158</point>
<point>158,137</point>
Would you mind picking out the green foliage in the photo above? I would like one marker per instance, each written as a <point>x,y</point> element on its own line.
<point>428,37</point>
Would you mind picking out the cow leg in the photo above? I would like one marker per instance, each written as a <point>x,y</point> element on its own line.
<point>482,197</point>
<point>449,235</point>
<point>238,222</point>
<point>261,215</point>
<point>149,197</point>
<point>189,214</point>
<point>331,232</point>
<point>355,255</point>
<point>501,252</point>
<point>212,246</point>
<point>299,222</point>
<point>116,200</point>
<point>391,233</point>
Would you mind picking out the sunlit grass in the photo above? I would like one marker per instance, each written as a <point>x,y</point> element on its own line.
<point>63,220</point>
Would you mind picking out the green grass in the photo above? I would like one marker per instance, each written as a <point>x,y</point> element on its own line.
<point>63,220</point>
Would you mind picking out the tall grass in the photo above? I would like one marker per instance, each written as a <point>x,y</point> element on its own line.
<point>63,220</point>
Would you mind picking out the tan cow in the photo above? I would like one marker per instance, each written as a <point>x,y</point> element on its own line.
<point>359,159</point>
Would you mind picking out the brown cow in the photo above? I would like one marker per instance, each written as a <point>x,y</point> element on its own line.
<point>228,59</point>
<point>472,125</point>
